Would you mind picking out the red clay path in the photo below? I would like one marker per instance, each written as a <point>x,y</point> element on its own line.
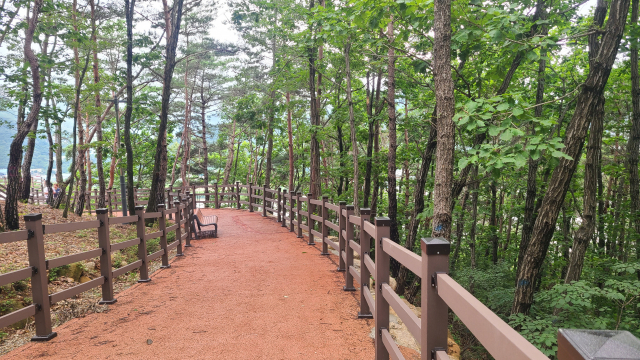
<point>255,292</point>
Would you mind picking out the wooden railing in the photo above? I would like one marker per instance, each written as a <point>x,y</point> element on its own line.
<point>320,218</point>
<point>38,265</point>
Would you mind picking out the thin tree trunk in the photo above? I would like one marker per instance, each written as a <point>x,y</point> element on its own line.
<point>290,136</point>
<point>156,195</point>
<point>27,160</point>
<point>493,224</point>
<point>352,128</point>
<point>600,68</point>
<point>634,136</point>
<point>459,230</point>
<point>393,145</point>
<point>15,152</point>
<point>443,80</point>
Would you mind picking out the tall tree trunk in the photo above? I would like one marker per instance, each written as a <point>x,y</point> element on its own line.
<point>605,52</point>
<point>418,207</point>
<point>588,225</point>
<point>634,135</point>
<point>393,145</point>
<point>205,150</point>
<point>129,11</point>
<point>156,195</point>
<point>27,160</point>
<point>493,224</point>
<point>353,130</point>
<point>15,152</point>
<point>290,136</point>
<point>100,201</point>
<point>229,164</point>
<point>459,230</point>
<point>446,108</point>
<point>315,181</point>
<point>80,162</point>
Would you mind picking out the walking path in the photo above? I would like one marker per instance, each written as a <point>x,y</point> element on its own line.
<point>255,292</point>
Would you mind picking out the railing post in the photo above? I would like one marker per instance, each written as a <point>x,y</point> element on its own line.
<point>348,276</point>
<point>162,223</point>
<point>39,281</point>
<point>342,225</point>
<point>215,188</point>
<point>142,246</point>
<point>37,198</point>
<point>435,259</point>
<point>169,202</point>
<point>250,197</point>
<point>105,258</point>
<point>381,317</point>
<point>264,200</point>
<point>310,222</point>
<point>291,211</point>
<point>282,206</point>
<point>177,204</point>
<point>109,203</point>
<point>323,227</point>
<point>238,194</point>
<point>279,207</point>
<point>365,274</point>
<point>298,217</point>
<point>187,216</point>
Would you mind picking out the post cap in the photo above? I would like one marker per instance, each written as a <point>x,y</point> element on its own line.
<point>32,217</point>
<point>598,344</point>
<point>101,211</point>
<point>435,246</point>
<point>177,202</point>
<point>188,192</point>
<point>350,207</point>
<point>325,197</point>
<point>382,221</point>
<point>342,203</point>
<point>161,206</point>
<point>139,207</point>
<point>365,211</point>
<point>299,193</point>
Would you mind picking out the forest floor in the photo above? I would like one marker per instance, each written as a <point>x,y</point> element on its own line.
<point>14,256</point>
<point>255,292</point>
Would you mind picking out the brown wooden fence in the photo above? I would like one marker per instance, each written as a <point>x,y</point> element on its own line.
<point>38,264</point>
<point>320,218</point>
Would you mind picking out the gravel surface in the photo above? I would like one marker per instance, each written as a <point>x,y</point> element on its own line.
<point>256,292</point>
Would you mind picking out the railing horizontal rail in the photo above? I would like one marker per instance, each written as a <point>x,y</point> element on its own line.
<point>150,215</point>
<point>405,257</point>
<point>173,245</point>
<point>369,300</point>
<point>17,315</point>
<point>65,294</point>
<point>502,341</point>
<point>344,256</point>
<point>355,246</point>
<point>153,235</point>
<point>304,227</point>
<point>14,276</point>
<point>304,213</point>
<point>124,244</point>
<point>123,219</point>
<point>332,226</point>
<point>126,268</point>
<point>155,255</point>
<point>13,236</point>
<point>316,218</point>
<point>369,228</point>
<point>404,312</point>
<point>344,234</point>
<point>172,227</point>
<point>354,219</point>
<point>370,265</point>
<point>355,273</point>
<point>70,259</point>
<point>390,345</point>
<point>334,245</point>
<point>315,201</point>
<point>169,211</point>
<point>332,207</point>
<point>75,226</point>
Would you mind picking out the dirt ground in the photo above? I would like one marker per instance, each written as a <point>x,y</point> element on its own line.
<point>256,292</point>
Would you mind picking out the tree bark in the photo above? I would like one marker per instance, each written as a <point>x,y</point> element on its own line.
<point>27,160</point>
<point>15,152</point>
<point>290,137</point>
<point>315,181</point>
<point>446,108</point>
<point>156,195</point>
<point>634,136</point>
<point>459,230</point>
<point>576,132</point>
<point>353,129</point>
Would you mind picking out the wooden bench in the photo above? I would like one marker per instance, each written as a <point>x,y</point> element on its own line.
<point>202,221</point>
